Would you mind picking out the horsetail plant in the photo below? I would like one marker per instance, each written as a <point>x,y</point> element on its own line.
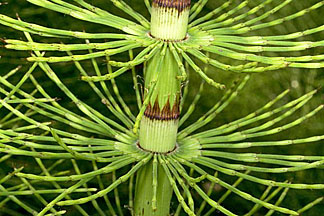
<point>145,149</point>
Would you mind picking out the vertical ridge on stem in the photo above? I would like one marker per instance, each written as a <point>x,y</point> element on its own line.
<point>159,125</point>
<point>170,19</point>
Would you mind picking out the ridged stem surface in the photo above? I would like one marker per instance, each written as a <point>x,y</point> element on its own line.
<point>159,125</point>
<point>170,19</point>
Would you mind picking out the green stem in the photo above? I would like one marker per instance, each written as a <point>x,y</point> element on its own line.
<point>144,192</point>
<point>157,135</point>
<point>160,121</point>
<point>170,15</point>
<point>159,126</point>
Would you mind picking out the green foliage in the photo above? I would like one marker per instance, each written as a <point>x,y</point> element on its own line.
<point>80,156</point>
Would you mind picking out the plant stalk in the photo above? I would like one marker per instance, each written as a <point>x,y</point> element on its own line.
<point>144,201</point>
<point>159,125</point>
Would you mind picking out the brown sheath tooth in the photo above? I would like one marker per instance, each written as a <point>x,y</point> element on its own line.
<point>154,112</point>
<point>180,5</point>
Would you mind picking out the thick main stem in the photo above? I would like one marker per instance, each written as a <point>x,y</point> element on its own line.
<point>170,19</point>
<point>159,125</point>
<point>144,193</point>
<point>160,122</point>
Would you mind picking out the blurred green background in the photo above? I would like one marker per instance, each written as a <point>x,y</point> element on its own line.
<point>259,90</point>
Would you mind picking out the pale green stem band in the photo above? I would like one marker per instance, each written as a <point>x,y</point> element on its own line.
<point>158,135</point>
<point>169,23</point>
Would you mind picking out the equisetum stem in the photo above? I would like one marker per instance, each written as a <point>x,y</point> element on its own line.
<point>159,125</point>
<point>150,202</point>
<point>170,19</point>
